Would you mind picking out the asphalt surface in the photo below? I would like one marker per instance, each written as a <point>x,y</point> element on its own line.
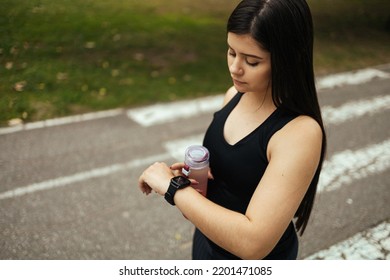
<point>70,191</point>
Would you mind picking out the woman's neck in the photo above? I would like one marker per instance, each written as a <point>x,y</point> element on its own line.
<point>256,102</point>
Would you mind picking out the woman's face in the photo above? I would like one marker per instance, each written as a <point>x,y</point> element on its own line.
<point>249,65</point>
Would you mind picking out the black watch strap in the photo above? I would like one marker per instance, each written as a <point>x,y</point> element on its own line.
<point>178,182</point>
<point>170,194</point>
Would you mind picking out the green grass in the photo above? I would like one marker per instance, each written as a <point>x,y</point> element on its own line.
<point>350,34</point>
<point>66,57</point>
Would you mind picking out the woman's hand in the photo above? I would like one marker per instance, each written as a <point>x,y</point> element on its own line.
<point>177,167</point>
<point>156,178</point>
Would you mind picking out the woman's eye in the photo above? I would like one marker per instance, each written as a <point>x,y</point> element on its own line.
<point>252,63</point>
<point>231,53</point>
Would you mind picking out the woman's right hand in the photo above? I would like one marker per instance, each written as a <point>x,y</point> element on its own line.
<point>177,170</point>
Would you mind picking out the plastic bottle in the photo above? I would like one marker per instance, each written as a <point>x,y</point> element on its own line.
<point>196,160</point>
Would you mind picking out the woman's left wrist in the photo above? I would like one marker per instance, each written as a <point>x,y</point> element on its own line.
<point>165,185</point>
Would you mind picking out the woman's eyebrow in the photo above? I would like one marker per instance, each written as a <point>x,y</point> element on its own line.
<point>246,54</point>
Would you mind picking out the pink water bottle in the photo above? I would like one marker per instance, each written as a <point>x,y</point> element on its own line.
<point>196,160</point>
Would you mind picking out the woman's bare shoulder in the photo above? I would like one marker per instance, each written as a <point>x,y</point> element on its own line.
<point>308,127</point>
<point>230,93</point>
<point>303,135</point>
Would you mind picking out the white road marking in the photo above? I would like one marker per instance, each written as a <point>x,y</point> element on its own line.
<point>350,78</point>
<point>162,113</point>
<point>355,109</point>
<point>345,167</point>
<point>158,114</point>
<point>177,148</point>
<point>371,244</point>
<point>62,121</point>
<point>82,176</point>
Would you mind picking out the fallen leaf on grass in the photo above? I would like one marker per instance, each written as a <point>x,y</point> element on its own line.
<point>19,86</point>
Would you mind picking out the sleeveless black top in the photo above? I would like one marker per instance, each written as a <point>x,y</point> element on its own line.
<point>237,170</point>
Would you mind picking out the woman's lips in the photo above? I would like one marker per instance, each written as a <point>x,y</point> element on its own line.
<point>237,82</point>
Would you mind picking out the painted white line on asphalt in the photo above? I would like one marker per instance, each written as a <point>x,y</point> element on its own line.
<point>177,148</point>
<point>62,121</point>
<point>350,78</point>
<point>158,114</point>
<point>355,109</point>
<point>372,244</point>
<point>345,167</point>
<point>162,113</point>
<point>82,176</point>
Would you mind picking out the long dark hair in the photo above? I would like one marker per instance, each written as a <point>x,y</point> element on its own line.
<point>285,29</point>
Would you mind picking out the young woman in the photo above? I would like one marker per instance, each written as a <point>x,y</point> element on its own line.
<point>266,144</point>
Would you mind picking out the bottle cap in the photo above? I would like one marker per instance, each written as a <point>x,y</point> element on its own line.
<point>196,156</point>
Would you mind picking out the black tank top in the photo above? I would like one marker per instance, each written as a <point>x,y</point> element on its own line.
<point>238,168</point>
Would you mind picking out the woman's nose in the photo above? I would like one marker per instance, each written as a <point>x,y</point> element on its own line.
<point>235,67</point>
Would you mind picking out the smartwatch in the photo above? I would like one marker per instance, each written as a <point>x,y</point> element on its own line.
<point>177,183</point>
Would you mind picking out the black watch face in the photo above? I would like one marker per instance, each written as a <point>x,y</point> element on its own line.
<point>181,180</point>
